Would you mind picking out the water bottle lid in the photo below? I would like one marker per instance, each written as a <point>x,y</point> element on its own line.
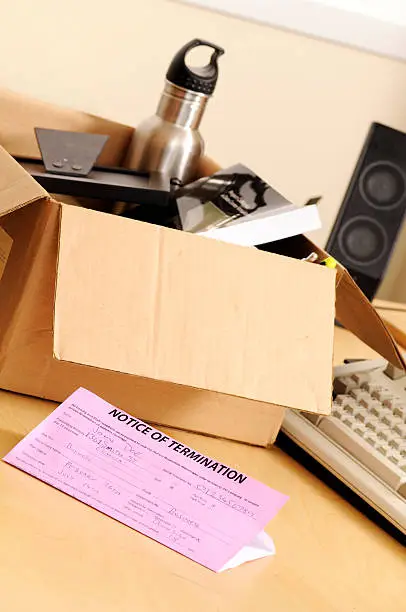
<point>202,79</point>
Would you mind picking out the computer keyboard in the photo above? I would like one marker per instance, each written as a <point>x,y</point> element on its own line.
<point>363,442</point>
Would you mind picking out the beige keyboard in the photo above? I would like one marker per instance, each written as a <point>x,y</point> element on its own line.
<point>363,442</point>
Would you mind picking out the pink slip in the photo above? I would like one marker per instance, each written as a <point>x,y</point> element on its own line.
<point>136,474</point>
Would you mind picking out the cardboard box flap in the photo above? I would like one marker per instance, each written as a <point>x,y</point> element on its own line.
<point>19,115</point>
<point>17,187</point>
<point>168,305</point>
<point>356,313</point>
<point>353,309</point>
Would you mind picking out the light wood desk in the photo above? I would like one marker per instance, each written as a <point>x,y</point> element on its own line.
<point>59,555</point>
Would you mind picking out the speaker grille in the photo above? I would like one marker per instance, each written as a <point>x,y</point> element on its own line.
<point>363,241</point>
<point>383,185</point>
<point>371,215</point>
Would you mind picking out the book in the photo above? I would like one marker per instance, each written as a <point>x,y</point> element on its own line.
<point>236,205</point>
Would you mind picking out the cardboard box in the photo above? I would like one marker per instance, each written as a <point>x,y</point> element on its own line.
<point>177,329</point>
<point>19,115</point>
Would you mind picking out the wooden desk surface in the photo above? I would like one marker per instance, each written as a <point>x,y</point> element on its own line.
<point>58,554</point>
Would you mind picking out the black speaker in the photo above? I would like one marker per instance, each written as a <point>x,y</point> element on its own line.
<point>371,215</point>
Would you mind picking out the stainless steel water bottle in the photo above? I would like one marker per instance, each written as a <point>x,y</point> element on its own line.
<point>170,141</point>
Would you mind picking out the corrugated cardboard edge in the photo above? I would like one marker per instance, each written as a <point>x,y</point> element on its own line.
<point>356,313</point>
<point>17,187</point>
<point>6,243</point>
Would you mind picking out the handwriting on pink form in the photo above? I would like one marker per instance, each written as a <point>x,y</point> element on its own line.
<point>136,474</point>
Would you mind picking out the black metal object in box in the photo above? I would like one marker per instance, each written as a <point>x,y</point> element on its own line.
<point>68,168</point>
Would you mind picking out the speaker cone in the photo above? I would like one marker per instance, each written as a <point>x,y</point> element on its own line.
<point>363,241</point>
<point>383,185</point>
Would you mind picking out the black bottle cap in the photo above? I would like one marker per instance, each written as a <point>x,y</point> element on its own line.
<point>202,79</point>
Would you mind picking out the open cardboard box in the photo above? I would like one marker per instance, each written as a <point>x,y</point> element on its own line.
<point>174,328</point>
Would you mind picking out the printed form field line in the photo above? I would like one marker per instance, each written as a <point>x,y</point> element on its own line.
<point>180,510</point>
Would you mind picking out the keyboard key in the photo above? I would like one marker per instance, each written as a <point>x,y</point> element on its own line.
<point>394,373</point>
<point>395,443</point>
<point>374,407</point>
<point>370,386</point>
<point>383,432</point>
<point>382,394</point>
<point>395,458</point>
<point>347,403</point>
<point>373,387</point>
<point>360,413</point>
<point>343,385</point>
<point>371,422</point>
<point>382,448</point>
<point>372,438</point>
<point>342,399</point>
<point>400,428</point>
<point>360,395</point>
<point>392,402</point>
<point>400,411</point>
<point>360,429</point>
<point>390,419</point>
<point>348,420</point>
<point>361,378</point>
<point>383,467</point>
<point>350,407</point>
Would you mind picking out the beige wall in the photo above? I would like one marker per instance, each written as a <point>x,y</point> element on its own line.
<point>295,109</point>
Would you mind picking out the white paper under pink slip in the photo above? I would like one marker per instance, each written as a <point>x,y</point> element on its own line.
<point>136,474</point>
